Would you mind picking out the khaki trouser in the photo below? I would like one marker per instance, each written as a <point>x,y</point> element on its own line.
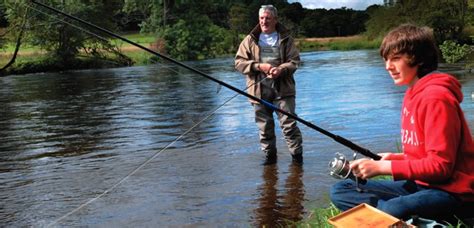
<point>266,125</point>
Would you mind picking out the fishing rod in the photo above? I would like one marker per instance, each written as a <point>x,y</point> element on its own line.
<point>337,138</point>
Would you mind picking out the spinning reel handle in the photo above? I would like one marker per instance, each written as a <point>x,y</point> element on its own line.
<point>340,169</point>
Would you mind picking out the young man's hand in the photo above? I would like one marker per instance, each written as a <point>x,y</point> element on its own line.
<point>366,168</point>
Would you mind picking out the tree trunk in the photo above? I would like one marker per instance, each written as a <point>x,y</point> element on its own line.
<point>15,53</point>
<point>17,46</point>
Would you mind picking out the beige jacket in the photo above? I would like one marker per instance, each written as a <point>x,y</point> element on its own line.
<point>248,55</point>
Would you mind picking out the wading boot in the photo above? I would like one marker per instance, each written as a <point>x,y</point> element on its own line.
<point>297,158</point>
<point>270,159</point>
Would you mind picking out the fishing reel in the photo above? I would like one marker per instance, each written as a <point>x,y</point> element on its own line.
<point>339,168</point>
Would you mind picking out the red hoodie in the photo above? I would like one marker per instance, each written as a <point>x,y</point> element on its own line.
<point>438,150</point>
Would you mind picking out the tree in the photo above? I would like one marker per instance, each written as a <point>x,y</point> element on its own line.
<point>312,23</point>
<point>294,12</point>
<point>334,22</point>
<point>3,18</point>
<point>63,39</point>
<point>470,13</point>
<point>453,52</point>
<point>196,38</point>
<point>238,19</point>
<point>154,14</point>
<point>446,17</point>
<point>193,30</point>
<point>381,20</point>
<point>18,42</point>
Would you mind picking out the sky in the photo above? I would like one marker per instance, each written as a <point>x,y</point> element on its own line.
<point>335,4</point>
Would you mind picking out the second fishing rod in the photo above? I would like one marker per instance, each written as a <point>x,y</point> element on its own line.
<point>337,138</point>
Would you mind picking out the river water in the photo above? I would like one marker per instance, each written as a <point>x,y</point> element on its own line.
<point>128,147</point>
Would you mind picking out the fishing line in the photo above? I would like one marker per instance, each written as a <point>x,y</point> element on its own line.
<point>68,23</point>
<point>157,153</point>
<point>149,159</point>
<point>144,163</point>
<point>337,138</point>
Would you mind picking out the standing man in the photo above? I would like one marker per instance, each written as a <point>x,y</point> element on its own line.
<point>270,52</point>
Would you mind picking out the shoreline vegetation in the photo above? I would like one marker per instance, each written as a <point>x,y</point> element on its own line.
<point>32,59</point>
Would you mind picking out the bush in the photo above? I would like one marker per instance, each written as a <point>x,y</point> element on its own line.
<point>196,39</point>
<point>453,52</point>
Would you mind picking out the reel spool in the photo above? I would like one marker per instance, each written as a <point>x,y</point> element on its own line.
<point>339,167</point>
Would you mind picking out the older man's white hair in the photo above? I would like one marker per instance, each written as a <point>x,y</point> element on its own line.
<point>270,8</point>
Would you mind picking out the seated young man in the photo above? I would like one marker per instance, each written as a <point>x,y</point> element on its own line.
<point>435,173</point>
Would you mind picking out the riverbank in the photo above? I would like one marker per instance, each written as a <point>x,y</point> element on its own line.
<point>32,59</point>
<point>356,42</point>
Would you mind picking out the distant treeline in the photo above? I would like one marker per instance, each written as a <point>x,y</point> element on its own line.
<point>242,16</point>
<point>188,30</point>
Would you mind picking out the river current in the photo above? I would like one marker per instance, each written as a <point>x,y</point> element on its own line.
<point>158,145</point>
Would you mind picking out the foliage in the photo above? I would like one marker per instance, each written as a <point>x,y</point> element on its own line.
<point>355,45</point>
<point>156,14</point>
<point>339,43</point>
<point>381,21</point>
<point>334,22</point>
<point>185,42</point>
<point>238,19</point>
<point>190,30</point>
<point>3,19</point>
<point>453,52</point>
<point>208,28</point>
<point>64,40</point>
<point>150,13</point>
<point>172,22</point>
<point>319,217</point>
<point>293,12</point>
<point>448,18</point>
<point>9,8</point>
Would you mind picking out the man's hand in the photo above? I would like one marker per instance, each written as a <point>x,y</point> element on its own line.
<point>265,68</point>
<point>269,70</point>
<point>274,72</point>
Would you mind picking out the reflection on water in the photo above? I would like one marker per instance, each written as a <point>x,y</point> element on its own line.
<point>280,207</point>
<point>66,138</point>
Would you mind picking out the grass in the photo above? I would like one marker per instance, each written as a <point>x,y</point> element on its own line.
<point>30,53</point>
<point>34,55</point>
<point>143,39</point>
<point>319,217</point>
<point>338,43</point>
<point>10,47</point>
